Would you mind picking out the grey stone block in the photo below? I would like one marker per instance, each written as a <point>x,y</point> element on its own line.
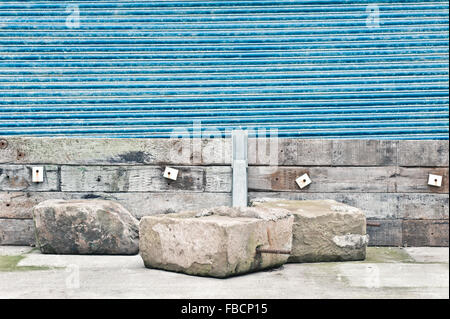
<point>85,227</point>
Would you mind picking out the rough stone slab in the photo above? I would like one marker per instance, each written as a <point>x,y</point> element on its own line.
<point>19,204</point>
<point>389,233</point>
<point>364,152</point>
<point>18,232</point>
<point>116,151</point>
<point>85,227</point>
<point>374,205</point>
<point>324,230</point>
<point>423,153</point>
<point>18,178</point>
<point>218,242</point>
<point>415,180</point>
<point>379,205</point>
<point>144,179</point>
<point>420,233</point>
<point>324,179</point>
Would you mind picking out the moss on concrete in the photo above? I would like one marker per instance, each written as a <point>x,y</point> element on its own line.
<point>387,255</point>
<point>10,263</point>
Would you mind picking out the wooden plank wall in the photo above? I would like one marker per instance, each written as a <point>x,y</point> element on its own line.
<point>387,179</point>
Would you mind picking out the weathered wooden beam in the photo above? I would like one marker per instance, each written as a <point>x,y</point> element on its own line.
<point>347,179</point>
<point>144,179</point>
<point>217,151</point>
<point>324,179</point>
<point>116,151</point>
<point>305,152</point>
<point>415,180</point>
<point>289,152</point>
<point>422,206</point>
<point>425,232</point>
<point>17,232</point>
<point>364,152</point>
<point>18,205</point>
<point>18,178</point>
<point>423,153</point>
<point>389,233</point>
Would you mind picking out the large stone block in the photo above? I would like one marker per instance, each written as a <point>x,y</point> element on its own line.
<point>218,242</point>
<point>324,230</point>
<point>85,227</point>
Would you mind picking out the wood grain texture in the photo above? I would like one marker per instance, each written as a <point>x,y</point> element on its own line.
<point>324,179</point>
<point>18,178</point>
<point>389,233</point>
<point>347,179</point>
<point>18,232</point>
<point>217,151</point>
<point>113,151</point>
<point>18,205</point>
<point>289,152</point>
<point>144,179</point>
<point>415,180</point>
<point>139,204</point>
<point>301,152</point>
<point>418,233</point>
<point>422,206</point>
<point>364,153</point>
<point>423,153</point>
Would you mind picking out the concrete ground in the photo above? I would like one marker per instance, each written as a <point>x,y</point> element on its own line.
<point>386,273</point>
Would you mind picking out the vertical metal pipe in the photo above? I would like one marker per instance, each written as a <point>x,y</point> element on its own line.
<point>239,164</point>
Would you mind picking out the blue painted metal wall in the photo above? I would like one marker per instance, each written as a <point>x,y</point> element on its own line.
<point>311,69</point>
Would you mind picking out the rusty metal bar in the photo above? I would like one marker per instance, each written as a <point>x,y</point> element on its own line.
<point>273,251</point>
<point>373,224</point>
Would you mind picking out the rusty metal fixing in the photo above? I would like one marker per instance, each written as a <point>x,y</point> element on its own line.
<point>3,144</point>
<point>273,251</point>
<point>373,224</point>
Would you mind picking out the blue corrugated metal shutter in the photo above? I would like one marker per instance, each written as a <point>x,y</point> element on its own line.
<point>311,69</point>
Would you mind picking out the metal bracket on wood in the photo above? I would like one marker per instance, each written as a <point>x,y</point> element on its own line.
<point>239,164</point>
